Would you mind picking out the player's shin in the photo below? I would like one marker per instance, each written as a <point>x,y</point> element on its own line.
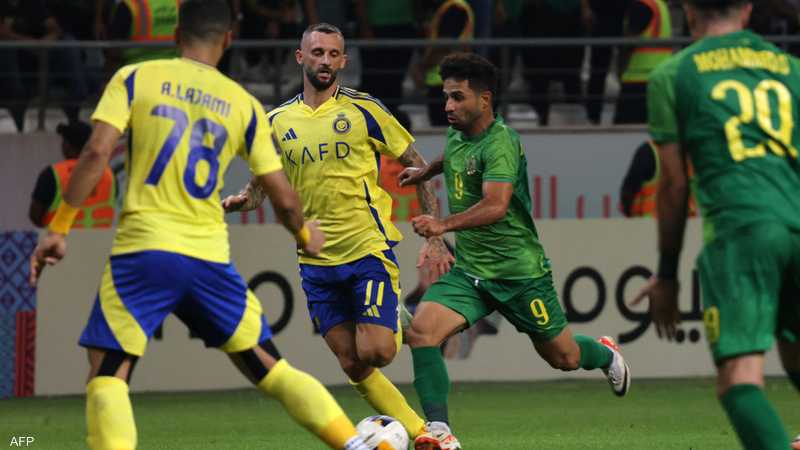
<point>379,392</point>
<point>594,355</point>
<point>310,404</point>
<point>431,382</point>
<point>109,415</point>
<point>754,419</point>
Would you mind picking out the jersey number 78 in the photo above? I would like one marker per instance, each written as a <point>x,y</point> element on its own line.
<point>197,151</point>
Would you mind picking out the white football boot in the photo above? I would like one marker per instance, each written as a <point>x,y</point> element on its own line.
<point>618,373</point>
<point>796,443</point>
<point>437,436</point>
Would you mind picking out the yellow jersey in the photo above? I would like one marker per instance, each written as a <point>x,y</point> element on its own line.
<point>331,156</point>
<point>187,121</point>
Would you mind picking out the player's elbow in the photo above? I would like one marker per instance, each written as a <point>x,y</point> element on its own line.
<point>95,153</point>
<point>287,206</point>
<point>497,212</point>
<point>288,212</point>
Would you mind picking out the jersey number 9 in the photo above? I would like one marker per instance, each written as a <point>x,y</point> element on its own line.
<point>539,311</point>
<point>197,151</point>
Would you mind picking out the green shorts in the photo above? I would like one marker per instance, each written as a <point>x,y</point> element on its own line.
<point>751,289</point>
<point>531,305</point>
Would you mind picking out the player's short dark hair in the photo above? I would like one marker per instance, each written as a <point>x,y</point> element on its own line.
<point>477,70</point>
<point>204,20</point>
<point>322,27</point>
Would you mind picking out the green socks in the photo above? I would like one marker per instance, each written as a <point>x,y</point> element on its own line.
<point>794,377</point>
<point>431,382</point>
<point>754,419</point>
<point>594,355</point>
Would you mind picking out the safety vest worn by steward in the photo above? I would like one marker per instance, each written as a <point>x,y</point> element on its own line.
<point>151,21</point>
<point>432,77</point>
<point>98,210</point>
<point>644,59</point>
<point>644,202</point>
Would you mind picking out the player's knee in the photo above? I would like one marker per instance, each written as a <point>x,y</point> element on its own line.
<point>110,363</point>
<point>419,336</point>
<point>354,368</point>
<point>378,354</point>
<point>747,369</point>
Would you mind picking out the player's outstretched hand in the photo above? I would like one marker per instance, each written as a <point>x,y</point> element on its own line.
<point>51,249</point>
<point>248,199</point>
<point>412,176</point>
<point>428,226</point>
<point>435,257</point>
<point>317,240</point>
<point>233,203</point>
<point>663,295</point>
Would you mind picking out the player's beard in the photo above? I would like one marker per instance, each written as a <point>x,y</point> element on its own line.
<point>465,121</point>
<point>318,84</point>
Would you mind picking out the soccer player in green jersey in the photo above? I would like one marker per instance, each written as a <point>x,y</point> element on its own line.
<point>500,263</point>
<point>728,103</point>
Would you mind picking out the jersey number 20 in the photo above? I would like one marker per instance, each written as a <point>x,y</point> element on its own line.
<point>197,151</point>
<point>755,105</point>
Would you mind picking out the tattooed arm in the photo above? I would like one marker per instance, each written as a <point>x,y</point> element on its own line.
<point>433,252</point>
<point>427,197</point>
<point>248,199</point>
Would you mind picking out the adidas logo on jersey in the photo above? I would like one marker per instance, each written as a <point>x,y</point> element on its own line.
<point>289,135</point>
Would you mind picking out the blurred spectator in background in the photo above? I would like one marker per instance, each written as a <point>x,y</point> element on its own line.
<point>334,12</point>
<point>268,19</point>
<point>142,21</point>
<point>452,19</point>
<point>543,65</point>
<point>98,210</point>
<point>776,17</point>
<point>237,15</point>
<point>117,20</point>
<point>484,18</point>
<point>383,69</point>
<point>77,20</point>
<point>607,18</point>
<point>640,185</point>
<point>507,24</point>
<point>101,17</point>
<point>645,19</point>
<point>32,20</point>
<point>74,17</point>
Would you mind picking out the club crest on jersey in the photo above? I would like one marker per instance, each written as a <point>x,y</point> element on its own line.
<point>472,166</point>
<point>342,124</point>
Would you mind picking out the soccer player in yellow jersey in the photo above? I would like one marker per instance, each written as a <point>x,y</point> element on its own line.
<point>170,252</point>
<point>331,139</point>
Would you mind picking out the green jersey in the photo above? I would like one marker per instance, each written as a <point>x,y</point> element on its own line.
<point>508,249</point>
<point>731,103</point>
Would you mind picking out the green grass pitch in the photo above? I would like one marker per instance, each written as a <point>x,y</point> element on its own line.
<point>657,414</point>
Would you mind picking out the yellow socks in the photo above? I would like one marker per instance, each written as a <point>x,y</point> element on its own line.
<point>379,392</point>
<point>309,404</point>
<point>109,415</point>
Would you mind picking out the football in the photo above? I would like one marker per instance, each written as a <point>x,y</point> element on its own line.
<point>383,433</point>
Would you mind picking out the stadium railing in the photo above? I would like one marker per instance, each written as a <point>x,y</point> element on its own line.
<point>42,96</point>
